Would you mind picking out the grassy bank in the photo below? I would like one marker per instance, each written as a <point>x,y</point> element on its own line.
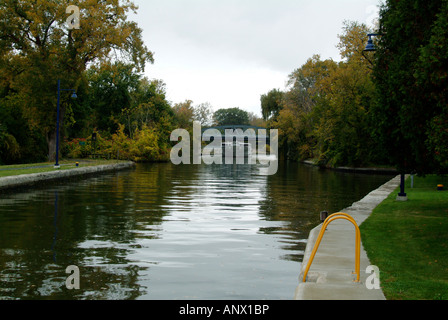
<point>13,170</point>
<point>408,241</point>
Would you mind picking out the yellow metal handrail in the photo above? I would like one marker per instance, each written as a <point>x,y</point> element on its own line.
<point>333,217</point>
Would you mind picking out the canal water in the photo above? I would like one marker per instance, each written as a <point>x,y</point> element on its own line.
<point>161,231</point>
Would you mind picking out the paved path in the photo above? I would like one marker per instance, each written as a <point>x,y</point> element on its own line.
<point>37,178</point>
<point>32,167</point>
<point>43,166</point>
<point>330,276</point>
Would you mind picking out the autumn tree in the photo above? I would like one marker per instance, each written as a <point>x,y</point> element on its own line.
<point>344,134</point>
<point>325,110</point>
<point>184,113</point>
<point>38,47</point>
<point>298,116</point>
<point>256,121</point>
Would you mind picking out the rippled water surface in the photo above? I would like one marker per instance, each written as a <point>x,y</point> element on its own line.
<point>169,232</point>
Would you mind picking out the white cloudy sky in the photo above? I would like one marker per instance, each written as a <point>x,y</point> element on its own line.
<point>230,52</point>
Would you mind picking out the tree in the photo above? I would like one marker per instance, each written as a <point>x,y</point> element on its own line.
<point>149,107</point>
<point>203,113</point>
<point>325,110</point>
<point>343,132</point>
<point>298,117</point>
<point>9,148</point>
<point>112,87</point>
<point>432,78</point>
<point>408,63</point>
<point>231,116</point>
<point>256,121</point>
<point>271,104</point>
<point>37,48</point>
<point>184,113</point>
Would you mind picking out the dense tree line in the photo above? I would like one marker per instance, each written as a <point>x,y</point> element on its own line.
<point>387,107</point>
<point>38,47</point>
<point>103,61</point>
<point>324,113</point>
<point>411,77</point>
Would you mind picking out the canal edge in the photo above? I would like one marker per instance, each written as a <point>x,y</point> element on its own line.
<point>330,275</point>
<point>28,180</point>
<point>367,170</point>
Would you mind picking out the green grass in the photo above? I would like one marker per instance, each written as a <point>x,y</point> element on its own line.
<point>13,170</point>
<point>408,241</point>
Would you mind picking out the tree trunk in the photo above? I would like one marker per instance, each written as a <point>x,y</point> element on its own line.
<point>51,136</point>
<point>51,142</point>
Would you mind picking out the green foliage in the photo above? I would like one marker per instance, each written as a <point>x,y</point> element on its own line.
<point>111,87</point>
<point>231,116</point>
<point>271,104</point>
<point>9,148</point>
<point>432,77</point>
<point>37,49</point>
<point>144,147</point>
<point>410,77</point>
<point>184,112</point>
<point>324,113</point>
<point>437,140</point>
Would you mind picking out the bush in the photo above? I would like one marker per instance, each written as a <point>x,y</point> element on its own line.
<point>146,146</point>
<point>9,147</point>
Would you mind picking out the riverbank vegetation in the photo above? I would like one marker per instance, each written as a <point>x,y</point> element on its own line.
<point>324,113</point>
<point>387,107</point>
<point>103,62</point>
<point>384,108</point>
<point>409,243</point>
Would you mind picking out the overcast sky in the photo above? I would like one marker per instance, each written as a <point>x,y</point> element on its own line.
<point>230,52</point>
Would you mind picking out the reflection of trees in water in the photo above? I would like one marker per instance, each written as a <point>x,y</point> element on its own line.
<point>92,223</point>
<point>101,224</point>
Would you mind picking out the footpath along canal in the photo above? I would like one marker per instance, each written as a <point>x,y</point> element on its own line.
<point>159,231</point>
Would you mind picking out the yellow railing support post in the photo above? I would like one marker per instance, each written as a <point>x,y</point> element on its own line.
<point>333,217</point>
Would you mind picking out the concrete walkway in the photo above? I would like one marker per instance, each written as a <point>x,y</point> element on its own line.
<point>36,178</point>
<point>331,274</point>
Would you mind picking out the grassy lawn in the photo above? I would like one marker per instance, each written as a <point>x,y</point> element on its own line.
<point>14,170</point>
<point>408,241</point>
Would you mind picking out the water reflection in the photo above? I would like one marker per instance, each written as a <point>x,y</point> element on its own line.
<point>168,232</point>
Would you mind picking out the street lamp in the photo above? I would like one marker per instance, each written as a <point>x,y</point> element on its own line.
<point>370,46</point>
<point>402,196</point>
<point>74,96</point>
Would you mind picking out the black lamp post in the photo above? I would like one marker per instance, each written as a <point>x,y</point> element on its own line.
<point>74,96</point>
<point>402,196</point>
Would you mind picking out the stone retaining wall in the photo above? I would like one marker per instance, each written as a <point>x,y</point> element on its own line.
<point>33,179</point>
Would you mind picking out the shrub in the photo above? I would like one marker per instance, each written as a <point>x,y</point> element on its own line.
<point>146,146</point>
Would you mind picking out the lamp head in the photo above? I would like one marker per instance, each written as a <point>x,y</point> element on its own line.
<point>74,96</point>
<point>370,46</point>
